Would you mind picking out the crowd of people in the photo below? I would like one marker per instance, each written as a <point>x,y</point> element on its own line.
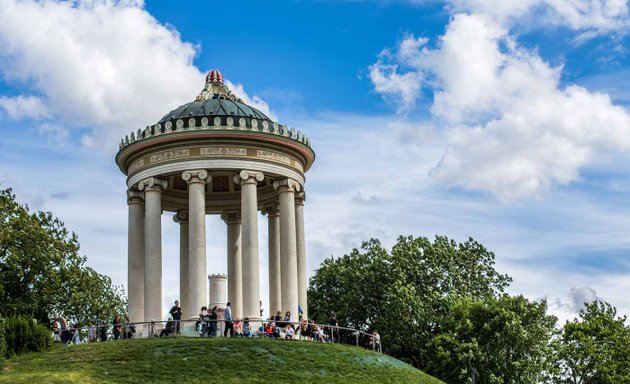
<point>212,322</point>
<point>69,334</point>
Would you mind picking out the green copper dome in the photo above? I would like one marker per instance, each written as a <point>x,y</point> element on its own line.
<point>215,100</point>
<point>211,108</point>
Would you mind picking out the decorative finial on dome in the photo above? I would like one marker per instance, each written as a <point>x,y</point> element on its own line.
<point>215,88</point>
<point>214,77</point>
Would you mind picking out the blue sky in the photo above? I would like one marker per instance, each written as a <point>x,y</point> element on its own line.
<point>504,121</point>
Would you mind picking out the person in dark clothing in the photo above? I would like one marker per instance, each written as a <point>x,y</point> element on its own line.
<point>63,327</point>
<point>176,313</point>
<point>278,320</point>
<point>117,323</point>
<point>102,331</point>
<point>169,329</point>
<point>214,315</point>
<point>333,325</point>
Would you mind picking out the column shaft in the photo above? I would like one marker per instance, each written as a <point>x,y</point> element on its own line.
<point>275,291</point>
<point>152,248</point>
<point>197,276</point>
<point>288,250</point>
<point>235,264</point>
<point>301,254</point>
<point>135,257</point>
<point>249,238</point>
<point>181,217</point>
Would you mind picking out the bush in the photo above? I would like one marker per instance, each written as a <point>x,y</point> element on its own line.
<point>23,334</point>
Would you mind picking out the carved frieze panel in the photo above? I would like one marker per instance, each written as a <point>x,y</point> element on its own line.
<point>234,151</point>
<point>170,155</point>
<point>218,151</point>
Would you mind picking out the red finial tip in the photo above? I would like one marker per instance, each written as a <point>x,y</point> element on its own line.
<point>215,77</point>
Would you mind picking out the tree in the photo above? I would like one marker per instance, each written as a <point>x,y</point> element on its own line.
<point>405,292</point>
<point>507,339</point>
<point>593,348</point>
<point>42,273</point>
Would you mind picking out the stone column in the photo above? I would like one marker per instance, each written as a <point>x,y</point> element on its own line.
<point>197,291</point>
<point>181,217</point>
<point>249,242</point>
<point>288,246</point>
<point>301,253</point>
<point>135,256</point>
<point>275,292</point>
<point>235,264</point>
<point>152,188</point>
<point>217,288</point>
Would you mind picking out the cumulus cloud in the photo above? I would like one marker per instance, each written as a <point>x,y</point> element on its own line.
<point>255,101</point>
<point>400,88</point>
<point>20,107</point>
<point>581,296</point>
<point>513,130</point>
<point>576,300</point>
<point>55,133</point>
<point>589,17</point>
<point>108,66</point>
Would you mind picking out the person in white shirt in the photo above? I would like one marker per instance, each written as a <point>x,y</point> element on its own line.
<point>227,316</point>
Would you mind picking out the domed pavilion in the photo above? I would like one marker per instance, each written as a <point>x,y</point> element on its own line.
<point>216,155</point>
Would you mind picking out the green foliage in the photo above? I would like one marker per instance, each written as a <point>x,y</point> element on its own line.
<point>506,339</point>
<point>593,349</point>
<point>439,305</point>
<point>24,334</point>
<point>403,293</point>
<point>42,273</point>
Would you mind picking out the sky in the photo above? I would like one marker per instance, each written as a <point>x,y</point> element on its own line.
<point>505,121</point>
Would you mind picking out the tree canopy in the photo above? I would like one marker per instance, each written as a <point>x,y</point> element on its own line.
<point>42,273</point>
<point>506,339</point>
<point>593,348</point>
<point>438,305</point>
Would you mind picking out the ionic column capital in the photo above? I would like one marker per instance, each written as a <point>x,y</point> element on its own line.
<point>152,184</point>
<point>181,217</point>
<point>231,217</point>
<point>286,185</point>
<point>271,210</point>
<point>135,197</point>
<point>300,198</point>
<point>196,176</point>
<point>248,177</point>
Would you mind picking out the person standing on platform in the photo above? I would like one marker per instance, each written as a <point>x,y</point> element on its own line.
<point>227,316</point>
<point>333,326</point>
<point>63,329</point>
<point>117,324</point>
<point>176,313</point>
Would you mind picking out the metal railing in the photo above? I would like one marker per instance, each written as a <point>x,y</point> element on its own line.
<point>255,328</point>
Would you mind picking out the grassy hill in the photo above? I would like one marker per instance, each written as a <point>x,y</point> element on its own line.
<point>188,360</point>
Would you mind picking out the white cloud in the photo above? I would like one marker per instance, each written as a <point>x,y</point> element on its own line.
<point>254,101</point>
<point>21,107</point>
<point>512,129</point>
<point>54,133</point>
<point>106,65</point>
<point>403,89</point>
<point>593,16</point>
<point>589,17</point>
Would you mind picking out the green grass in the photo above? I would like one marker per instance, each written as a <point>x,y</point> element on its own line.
<point>219,360</point>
